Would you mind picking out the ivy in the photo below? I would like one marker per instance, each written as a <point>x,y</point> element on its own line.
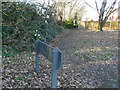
<point>23,23</point>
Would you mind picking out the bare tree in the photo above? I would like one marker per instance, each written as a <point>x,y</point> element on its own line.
<point>60,8</point>
<point>72,5</point>
<point>67,8</point>
<point>104,11</point>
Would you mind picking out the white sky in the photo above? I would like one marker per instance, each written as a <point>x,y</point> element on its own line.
<point>90,13</point>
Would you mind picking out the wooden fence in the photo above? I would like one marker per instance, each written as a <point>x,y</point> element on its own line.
<point>114,25</point>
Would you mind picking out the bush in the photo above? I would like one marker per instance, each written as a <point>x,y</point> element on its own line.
<point>69,24</point>
<point>24,23</point>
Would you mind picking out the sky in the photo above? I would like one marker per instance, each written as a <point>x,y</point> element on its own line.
<point>90,13</point>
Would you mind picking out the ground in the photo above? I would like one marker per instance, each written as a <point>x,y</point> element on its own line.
<point>90,61</point>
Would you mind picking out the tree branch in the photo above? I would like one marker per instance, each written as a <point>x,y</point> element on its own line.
<point>110,10</point>
<point>97,7</point>
<point>89,5</point>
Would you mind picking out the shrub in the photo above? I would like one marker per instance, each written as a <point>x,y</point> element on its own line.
<point>23,23</point>
<point>68,24</point>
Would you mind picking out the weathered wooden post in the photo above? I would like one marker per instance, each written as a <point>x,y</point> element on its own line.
<point>54,55</point>
<point>54,68</point>
<point>37,56</point>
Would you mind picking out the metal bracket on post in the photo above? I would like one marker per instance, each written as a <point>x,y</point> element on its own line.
<point>37,56</point>
<point>54,68</point>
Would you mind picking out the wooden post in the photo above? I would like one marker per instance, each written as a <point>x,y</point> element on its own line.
<point>37,56</point>
<point>85,24</point>
<point>61,57</point>
<point>110,24</point>
<point>93,25</point>
<point>54,55</point>
<point>54,68</point>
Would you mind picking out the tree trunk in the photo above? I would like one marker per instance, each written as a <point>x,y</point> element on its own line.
<point>100,24</point>
<point>101,28</point>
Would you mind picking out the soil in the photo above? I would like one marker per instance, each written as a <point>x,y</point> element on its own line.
<point>90,61</point>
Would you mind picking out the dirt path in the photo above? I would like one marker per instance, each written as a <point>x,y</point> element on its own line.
<point>90,62</point>
<point>90,58</point>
